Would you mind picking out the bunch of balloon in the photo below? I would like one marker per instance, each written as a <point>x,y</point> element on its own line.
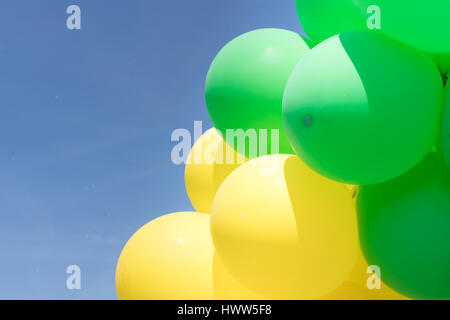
<point>327,172</point>
<point>366,107</point>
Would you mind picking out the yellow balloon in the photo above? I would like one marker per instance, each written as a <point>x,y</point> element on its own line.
<point>351,291</point>
<point>169,258</point>
<point>210,161</point>
<point>227,287</point>
<point>356,286</point>
<point>283,230</point>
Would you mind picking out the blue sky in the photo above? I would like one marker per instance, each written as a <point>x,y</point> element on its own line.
<point>86,118</point>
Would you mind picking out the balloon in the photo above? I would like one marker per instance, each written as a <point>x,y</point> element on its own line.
<point>311,44</point>
<point>227,287</point>
<point>284,231</point>
<point>169,258</point>
<point>421,24</point>
<point>444,63</point>
<point>245,85</point>
<point>404,227</point>
<point>326,18</point>
<point>207,166</point>
<point>352,291</point>
<point>356,286</point>
<point>444,143</point>
<point>362,82</point>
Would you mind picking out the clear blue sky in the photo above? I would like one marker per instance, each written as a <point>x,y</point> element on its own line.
<point>85,124</point>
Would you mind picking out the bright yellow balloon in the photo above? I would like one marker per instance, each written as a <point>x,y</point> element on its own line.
<point>283,230</point>
<point>227,287</point>
<point>351,291</point>
<point>169,258</point>
<point>210,161</point>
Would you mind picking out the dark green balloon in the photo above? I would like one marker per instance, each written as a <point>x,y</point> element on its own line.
<point>322,19</point>
<point>246,81</point>
<point>444,63</point>
<point>404,227</point>
<point>361,108</point>
<point>423,24</point>
<point>444,145</point>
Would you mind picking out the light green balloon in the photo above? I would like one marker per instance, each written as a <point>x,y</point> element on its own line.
<point>362,108</point>
<point>424,24</point>
<point>322,19</point>
<point>245,86</point>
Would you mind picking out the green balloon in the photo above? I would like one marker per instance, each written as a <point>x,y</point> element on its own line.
<point>311,44</point>
<point>423,24</point>
<point>326,18</point>
<point>245,85</point>
<point>362,108</point>
<point>444,144</point>
<point>404,228</point>
<point>444,63</point>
